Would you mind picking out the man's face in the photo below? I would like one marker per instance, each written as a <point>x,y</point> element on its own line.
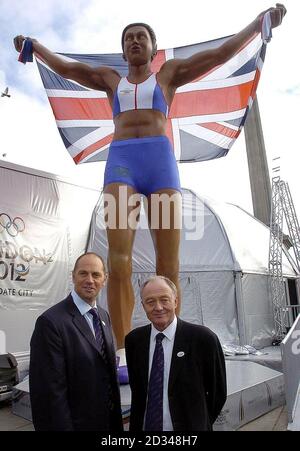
<point>138,46</point>
<point>88,278</point>
<point>159,303</point>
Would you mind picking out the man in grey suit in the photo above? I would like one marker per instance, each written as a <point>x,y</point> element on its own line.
<point>193,382</point>
<point>72,377</point>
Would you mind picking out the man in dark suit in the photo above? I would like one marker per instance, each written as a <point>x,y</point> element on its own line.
<point>194,379</point>
<point>72,377</point>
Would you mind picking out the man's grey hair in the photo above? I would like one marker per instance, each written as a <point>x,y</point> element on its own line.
<point>166,279</point>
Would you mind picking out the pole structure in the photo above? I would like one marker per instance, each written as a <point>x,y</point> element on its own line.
<point>258,166</point>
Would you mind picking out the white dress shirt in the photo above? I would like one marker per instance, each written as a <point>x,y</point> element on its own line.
<point>168,343</point>
<point>84,307</point>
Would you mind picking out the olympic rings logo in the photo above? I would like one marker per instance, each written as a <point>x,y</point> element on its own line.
<point>12,226</point>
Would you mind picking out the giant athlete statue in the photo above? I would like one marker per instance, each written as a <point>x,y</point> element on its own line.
<point>141,160</point>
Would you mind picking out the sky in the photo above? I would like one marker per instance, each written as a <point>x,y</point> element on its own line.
<point>29,136</point>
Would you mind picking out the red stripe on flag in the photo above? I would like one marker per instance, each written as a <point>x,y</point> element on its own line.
<point>69,108</point>
<point>158,61</point>
<point>255,83</point>
<point>90,149</point>
<point>222,129</point>
<point>211,101</point>
<point>169,132</point>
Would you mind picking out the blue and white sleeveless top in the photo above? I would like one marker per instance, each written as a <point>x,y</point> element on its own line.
<point>139,96</point>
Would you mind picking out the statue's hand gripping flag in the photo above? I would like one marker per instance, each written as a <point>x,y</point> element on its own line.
<point>205,118</point>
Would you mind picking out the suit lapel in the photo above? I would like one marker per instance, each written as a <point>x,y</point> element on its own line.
<point>179,354</point>
<point>142,356</point>
<point>81,324</point>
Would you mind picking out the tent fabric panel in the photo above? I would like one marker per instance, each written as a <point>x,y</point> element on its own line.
<point>191,302</point>
<point>259,322</point>
<point>218,304</point>
<point>249,239</point>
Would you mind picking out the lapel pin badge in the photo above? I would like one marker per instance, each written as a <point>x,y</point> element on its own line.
<point>103,323</point>
<point>180,354</point>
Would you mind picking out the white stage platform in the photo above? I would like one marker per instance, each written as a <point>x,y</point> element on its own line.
<point>270,357</point>
<point>253,390</point>
<point>295,424</point>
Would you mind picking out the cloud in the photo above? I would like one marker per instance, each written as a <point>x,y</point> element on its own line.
<point>2,79</point>
<point>49,21</point>
<point>22,136</point>
<point>293,90</point>
<point>30,138</point>
<point>37,16</point>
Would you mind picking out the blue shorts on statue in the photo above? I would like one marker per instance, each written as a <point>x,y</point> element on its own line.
<point>147,164</point>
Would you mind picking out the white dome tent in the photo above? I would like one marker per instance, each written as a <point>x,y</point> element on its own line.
<point>223,269</point>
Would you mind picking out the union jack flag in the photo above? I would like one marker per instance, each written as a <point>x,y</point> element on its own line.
<point>205,118</point>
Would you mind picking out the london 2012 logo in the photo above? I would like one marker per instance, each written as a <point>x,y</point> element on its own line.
<point>16,257</point>
<point>13,226</point>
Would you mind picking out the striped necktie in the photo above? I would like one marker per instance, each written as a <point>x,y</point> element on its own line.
<point>154,410</point>
<point>99,334</point>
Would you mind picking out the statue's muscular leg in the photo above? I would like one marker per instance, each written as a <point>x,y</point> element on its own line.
<point>164,217</point>
<point>120,237</point>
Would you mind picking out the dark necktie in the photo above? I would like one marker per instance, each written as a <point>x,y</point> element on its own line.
<point>154,411</point>
<point>99,333</point>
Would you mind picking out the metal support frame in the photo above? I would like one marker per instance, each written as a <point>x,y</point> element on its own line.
<point>282,206</point>
<point>292,220</point>
<point>275,261</point>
